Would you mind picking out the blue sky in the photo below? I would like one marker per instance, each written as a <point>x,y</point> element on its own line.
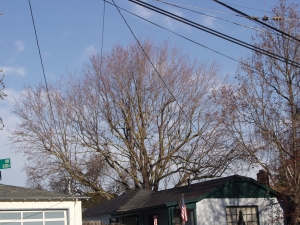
<point>69,31</point>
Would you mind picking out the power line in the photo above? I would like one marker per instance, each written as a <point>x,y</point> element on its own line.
<point>264,24</point>
<point>103,23</point>
<point>208,10</point>
<point>175,33</point>
<point>41,60</point>
<point>187,8</point>
<point>242,25</point>
<point>46,84</point>
<point>216,33</point>
<point>188,39</point>
<point>254,9</point>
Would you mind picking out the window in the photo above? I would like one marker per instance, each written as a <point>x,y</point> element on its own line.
<point>242,215</point>
<point>54,217</point>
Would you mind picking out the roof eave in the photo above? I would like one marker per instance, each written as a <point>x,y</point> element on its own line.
<point>43,198</point>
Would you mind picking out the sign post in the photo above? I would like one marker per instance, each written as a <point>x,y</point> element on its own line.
<point>5,164</point>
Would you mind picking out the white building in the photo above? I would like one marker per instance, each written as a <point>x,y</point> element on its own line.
<point>224,201</point>
<point>24,206</point>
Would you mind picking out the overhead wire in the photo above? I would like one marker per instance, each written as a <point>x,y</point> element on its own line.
<point>44,75</point>
<point>103,25</point>
<point>254,28</point>
<point>188,39</point>
<point>270,12</point>
<point>257,21</point>
<point>191,10</point>
<point>215,33</point>
<point>204,9</point>
<point>225,13</point>
<point>174,32</point>
<point>41,61</point>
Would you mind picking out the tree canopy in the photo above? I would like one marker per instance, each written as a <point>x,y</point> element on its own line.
<point>126,122</point>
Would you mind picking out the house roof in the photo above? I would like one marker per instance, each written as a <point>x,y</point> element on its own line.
<point>13,193</point>
<point>131,200</point>
<point>142,199</point>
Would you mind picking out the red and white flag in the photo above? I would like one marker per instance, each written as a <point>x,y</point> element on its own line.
<point>183,211</point>
<point>155,219</point>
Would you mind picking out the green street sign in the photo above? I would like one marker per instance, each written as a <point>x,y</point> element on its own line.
<point>5,164</point>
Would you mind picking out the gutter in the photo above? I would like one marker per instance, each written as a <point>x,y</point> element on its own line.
<point>2,199</point>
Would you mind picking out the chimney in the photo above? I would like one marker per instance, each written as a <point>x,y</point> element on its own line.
<point>189,182</point>
<point>262,177</point>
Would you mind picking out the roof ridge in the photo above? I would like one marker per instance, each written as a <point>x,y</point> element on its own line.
<point>35,189</point>
<point>137,190</point>
<point>148,198</point>
<point>202,182</point>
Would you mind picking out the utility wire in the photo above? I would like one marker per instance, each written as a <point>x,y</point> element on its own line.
<point>46,84</point>
<point>197,43</point>
<point>226,13</point>
<point>103,24</point>
<point>191,10</point>
<point>153,66</point>
<point>216,33</point>
<point>187,8</point>
<point>41,60</point>
<point>255,9</point>
<point>264,24</point>
<point>208,10</point>
<point>188,39</point>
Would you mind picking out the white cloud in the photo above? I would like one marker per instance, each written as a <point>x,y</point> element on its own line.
<point>11,96</point>
<point>87,52</point>
<point>157,18</point>
<point>209,21</point>
<point>18,71</point>
<point>143,12</point>
<point>20,46</point>
<point>90,50</point>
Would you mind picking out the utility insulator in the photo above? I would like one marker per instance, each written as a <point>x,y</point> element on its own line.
<point>277,18</point>
<point>265,18</point>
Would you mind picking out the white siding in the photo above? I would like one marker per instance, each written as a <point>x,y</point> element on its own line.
<point>73,208</point>
<point>213,211</point>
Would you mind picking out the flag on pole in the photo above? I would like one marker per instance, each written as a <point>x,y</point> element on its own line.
<point>182,207</point>
<point>155,219</point>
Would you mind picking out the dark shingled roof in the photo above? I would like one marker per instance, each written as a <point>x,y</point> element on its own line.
<point>139,198</point>
<point>191,192</point>
<point>131,200</point>
<point>13,193</point>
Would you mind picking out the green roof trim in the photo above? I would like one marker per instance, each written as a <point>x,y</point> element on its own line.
<point>242,189</point>
<point>239,187</point>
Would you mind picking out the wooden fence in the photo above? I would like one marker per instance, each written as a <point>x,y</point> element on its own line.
<point>98,222</point>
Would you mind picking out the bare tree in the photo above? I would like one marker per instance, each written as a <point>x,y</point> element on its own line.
<point>55,156</point>
<point>262,109</point>
<point>148,122</point>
